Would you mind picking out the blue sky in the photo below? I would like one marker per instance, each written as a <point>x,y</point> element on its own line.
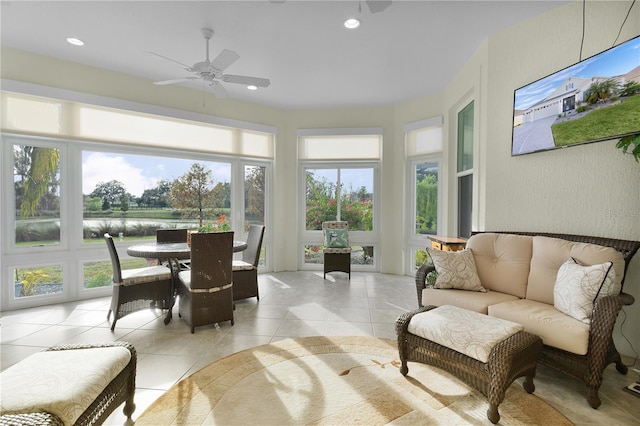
<point>619,60</point>
<point>139,172</point>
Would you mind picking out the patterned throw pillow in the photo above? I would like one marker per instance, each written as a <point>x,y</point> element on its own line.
<point>456,269</point>
<point>577,288</point>
<point>336,238</point>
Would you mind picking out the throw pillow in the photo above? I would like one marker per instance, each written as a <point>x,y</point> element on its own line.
<point>456,269</point>
<point>336,238</point>
<point>577,288</point>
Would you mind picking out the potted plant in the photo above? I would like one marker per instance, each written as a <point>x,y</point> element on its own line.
<point>631,144</point>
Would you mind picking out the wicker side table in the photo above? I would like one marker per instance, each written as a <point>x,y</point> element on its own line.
<point>516,356</point>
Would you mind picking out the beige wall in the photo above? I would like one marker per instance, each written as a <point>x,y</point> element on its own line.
<point>590,189</point>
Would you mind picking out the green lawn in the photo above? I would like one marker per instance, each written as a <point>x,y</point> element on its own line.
<point>597,125</point>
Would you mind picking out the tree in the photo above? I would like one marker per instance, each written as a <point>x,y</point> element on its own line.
<point>157,197</point>
<point>601,91</point>
<point>630,88</point>
<point>221,195</point>
<point>192,192</point>
<point>38,170</point>
<point>254,191</point>
<point>427,204</point>
<point>110,193</point>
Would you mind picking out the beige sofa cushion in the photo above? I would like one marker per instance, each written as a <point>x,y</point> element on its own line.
<point>554,328</point>
<point>550,253</point>
<point>471,300</point>
<point>502,261</point>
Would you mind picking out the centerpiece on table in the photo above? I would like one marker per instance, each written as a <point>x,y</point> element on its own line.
<point>220,225</point>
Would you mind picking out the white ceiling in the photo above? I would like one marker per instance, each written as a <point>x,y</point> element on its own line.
<point>411,49</point>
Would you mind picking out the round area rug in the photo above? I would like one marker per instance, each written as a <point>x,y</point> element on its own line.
<point>333,381</point>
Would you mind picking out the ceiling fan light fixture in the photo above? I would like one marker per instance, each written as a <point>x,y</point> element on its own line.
<point>75,41</point>
<point>352,23</point>
<point>252,87</point>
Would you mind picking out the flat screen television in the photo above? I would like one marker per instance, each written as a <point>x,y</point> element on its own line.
<point>595,100</point>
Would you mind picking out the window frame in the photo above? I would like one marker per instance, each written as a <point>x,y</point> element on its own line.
<point>314,237</point>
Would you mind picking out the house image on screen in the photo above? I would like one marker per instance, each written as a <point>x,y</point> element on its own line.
<point>567,96</point>
<point>563,99</point>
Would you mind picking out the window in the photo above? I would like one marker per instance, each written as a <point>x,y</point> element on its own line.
<point>465,170</point>
<point>423,140</point>
<point>339,180</point>
<point>132,195</point>
<point>61,192</point>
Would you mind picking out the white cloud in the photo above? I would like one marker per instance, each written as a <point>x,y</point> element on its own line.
<point>99,167</point>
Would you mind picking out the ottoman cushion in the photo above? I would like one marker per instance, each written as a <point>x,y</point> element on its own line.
<point>63,383</point>
<point>464,331</point>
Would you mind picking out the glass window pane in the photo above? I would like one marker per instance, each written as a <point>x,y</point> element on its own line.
<point>362,255</point>
<point>137,194</point>
<point>36,176</point>
<point>100,274</point>
<point>426,175</point>
<point>313,254</point>
<point>465,138</point>
<point>356,198</point>
<point>465,198</point>
<point>321,187</point>
<point>37,280</point>
<point>254,195</point>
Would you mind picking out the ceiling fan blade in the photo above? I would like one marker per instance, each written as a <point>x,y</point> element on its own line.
<point>176,80</point>
<point>224,59</point>
<point>218,89</point>
<point>376,6</point>
<point>186,67</point>
<point>242,79</point>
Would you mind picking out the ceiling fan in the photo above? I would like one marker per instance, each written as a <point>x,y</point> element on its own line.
<point>211,72</point>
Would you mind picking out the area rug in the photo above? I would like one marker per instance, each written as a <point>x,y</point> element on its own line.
<point>333,381</point>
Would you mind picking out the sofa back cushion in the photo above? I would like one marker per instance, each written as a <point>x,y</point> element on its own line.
<point>550,253</point>
<point>502,261</point>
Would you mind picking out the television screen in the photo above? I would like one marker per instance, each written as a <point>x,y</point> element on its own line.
<point>596,99</point>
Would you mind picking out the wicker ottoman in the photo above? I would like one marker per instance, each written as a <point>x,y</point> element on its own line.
<point>79,384</point>
<point>514,353</point>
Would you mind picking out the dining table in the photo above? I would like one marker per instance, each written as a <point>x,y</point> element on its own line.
<point>172,253</point>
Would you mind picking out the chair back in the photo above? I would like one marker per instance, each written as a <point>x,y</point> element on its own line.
<point>254,244</point>
<point>335,224</point>
<point>211,259</point>
<point>115,260</point>
<point>171,235</point>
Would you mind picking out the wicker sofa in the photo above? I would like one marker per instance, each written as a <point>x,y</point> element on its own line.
<point>519,271</point>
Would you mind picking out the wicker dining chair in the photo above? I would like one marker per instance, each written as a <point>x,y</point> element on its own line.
<point>139,288</point>
<point>245,271</point>
<point>178,235</point>
<point>206,290</point>
<point>337,252</point>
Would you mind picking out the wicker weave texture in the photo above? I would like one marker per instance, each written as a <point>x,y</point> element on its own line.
<point>514,357</point>
<point>120,389</point>
<point>601,351</point>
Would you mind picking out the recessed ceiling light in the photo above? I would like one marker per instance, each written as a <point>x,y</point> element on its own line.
<point>252,87</point>
<point>75,41</point>
<point>352,23</point>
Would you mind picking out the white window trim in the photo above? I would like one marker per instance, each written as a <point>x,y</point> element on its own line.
<point>414,241</point>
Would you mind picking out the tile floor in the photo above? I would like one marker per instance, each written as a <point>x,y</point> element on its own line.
<point>292,304</point>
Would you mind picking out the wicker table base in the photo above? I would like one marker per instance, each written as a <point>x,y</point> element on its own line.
<point>514,357</point>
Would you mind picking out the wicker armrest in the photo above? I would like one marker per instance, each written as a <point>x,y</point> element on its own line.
<point>421,280</point>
